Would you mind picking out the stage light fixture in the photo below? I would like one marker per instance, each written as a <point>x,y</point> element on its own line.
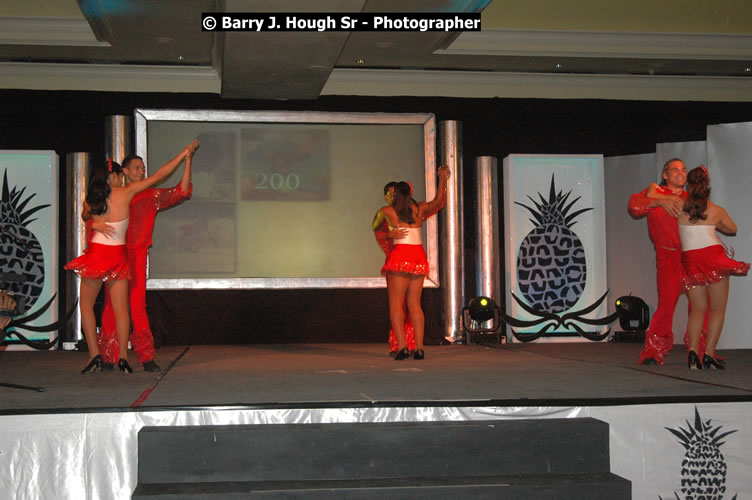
<point>634,314</point>
<point>481,310</point>
<point>634,319</point>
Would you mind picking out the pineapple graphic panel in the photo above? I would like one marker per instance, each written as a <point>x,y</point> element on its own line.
<point>21,256</point>
<point>29,234</point>
<point>555,242</point>
<point>551,266</point>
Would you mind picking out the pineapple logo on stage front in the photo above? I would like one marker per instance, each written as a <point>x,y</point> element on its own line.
<point>703,470</point>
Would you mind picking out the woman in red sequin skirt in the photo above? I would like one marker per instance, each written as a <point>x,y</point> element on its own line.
<point>706,266</point>
<point>385,238</point>
<point>407,266</point>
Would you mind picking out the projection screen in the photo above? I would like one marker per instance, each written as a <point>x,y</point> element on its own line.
<point>283,199</point>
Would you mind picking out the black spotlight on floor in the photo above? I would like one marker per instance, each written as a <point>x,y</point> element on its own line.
<point>634,319</point>
<point>477,312</point>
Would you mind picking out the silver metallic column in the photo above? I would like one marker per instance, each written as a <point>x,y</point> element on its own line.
<point>76,175</point>
<point>488,256</point>
<point>452,237</point>
<point>118,137</point>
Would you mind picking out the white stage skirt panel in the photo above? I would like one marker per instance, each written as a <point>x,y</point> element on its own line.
<point>95,455</point>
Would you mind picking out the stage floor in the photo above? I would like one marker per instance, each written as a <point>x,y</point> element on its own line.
<point>325,375</point>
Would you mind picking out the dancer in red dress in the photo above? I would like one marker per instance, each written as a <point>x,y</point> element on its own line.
<point>406,265</point>
<point>664,232</point>
<point>385,239</point>
<point>105,260</point>
<point>706,266</point>
<point>143,211</point>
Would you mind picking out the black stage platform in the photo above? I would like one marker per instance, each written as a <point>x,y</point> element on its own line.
<point>550,374</point>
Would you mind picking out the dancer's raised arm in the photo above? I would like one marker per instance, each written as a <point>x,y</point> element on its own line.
<point>429,208</point>
<point>185,181</point>
<point>164,171</point>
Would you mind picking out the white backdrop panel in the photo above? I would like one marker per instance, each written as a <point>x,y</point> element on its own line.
<point>631,259</point>
<point>729,151</point>
<point>527,180</point>
<point>692,153</point>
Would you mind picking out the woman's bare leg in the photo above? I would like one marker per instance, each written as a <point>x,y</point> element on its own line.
<point>119,298</point>
<point>87,295</point>
<point>414,291</point>
<point>698,299</point>
<point>396,287</point>
<point>718,296</point>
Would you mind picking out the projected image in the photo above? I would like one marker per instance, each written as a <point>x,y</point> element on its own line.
<point>203,241</point>
<point>214,168</point>
<point>283,199</point>
<point>284,165</point>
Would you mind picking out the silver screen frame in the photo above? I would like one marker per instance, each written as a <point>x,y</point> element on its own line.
<point>142,117</point>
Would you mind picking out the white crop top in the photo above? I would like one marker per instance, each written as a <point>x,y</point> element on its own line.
<point>120,227</point>
<point>414,237</point>
<point>698,236</point>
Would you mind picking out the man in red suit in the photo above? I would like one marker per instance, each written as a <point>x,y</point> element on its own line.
<point>664,232</point>
<point>143,211</point>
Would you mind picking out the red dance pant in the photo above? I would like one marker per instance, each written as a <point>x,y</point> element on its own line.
<point>659,339</point>
<point>141,336</point>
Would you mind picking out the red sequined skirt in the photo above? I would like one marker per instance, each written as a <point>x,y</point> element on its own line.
<point>705,266</point>
<point>102,262</point>
<point>410,259</point>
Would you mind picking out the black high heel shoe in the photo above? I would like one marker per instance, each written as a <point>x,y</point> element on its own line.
<point>124,366</point>
<point>403,354</point>
<point>419,354</point>
<point>709,362</point>
<point>693,361</point>
<point>95,364</point>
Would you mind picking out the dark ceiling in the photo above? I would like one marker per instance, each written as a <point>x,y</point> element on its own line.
<point>138,39</point>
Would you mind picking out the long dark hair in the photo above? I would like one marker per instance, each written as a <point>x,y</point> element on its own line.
<point>403,202</point>
<point>99,186</point>
<point>698,187</point>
